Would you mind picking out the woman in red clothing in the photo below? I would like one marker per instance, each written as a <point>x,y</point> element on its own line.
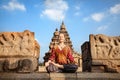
<point>61,59</point>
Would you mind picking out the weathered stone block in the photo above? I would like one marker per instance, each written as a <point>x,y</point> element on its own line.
<point>60,76</point>
<point>98,76</point>
<point>98,68</point>
<point>63,76</point>
<point>22,76</point>
<point>105,51</point>
<point>86,57</point>
<point>18,50</point>
<point>104,47</point>
<point>18,44</point>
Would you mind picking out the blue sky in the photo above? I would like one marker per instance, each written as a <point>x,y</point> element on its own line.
<point>81,18</point>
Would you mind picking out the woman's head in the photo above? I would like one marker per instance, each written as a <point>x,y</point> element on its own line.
<point>61,37</point>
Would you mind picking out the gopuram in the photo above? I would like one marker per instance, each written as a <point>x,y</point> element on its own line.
<point>54,41</point>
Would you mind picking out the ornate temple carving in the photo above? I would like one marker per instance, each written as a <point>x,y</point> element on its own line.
<point>104,51</point>
<point>19,51</point>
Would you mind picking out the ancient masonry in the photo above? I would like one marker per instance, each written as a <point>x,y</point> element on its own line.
<point>19,52</point>
<point>101,54</point>
<point>54,41</point>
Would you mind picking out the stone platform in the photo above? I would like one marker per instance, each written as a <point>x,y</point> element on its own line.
<point>60,76</point>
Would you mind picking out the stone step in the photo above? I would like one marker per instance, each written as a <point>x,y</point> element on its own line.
<point>60,76</point>
<point>43,69</point>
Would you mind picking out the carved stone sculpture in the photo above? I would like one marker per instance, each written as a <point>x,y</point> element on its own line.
<point>18,51</point>
<point>104,52</point>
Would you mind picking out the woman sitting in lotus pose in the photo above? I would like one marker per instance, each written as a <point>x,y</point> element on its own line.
<point>61,59</point>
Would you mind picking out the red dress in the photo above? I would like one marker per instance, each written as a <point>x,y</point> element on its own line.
<point>63,56</point>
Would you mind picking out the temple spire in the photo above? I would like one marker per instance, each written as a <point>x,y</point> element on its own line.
<point>62,22</point>
<point>55,39</point>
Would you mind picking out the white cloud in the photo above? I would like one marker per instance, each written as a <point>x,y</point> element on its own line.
<point>77,13</point>
<point>111,12</point>
<point>14,5</point>
<point>55,9</point>
<point>36,5</point>
<point>115,9</point>
<point>86,19</point>
<point>102,28</point>
<point>77,7</point>
<point>97,16</point>
<point>54,14</point>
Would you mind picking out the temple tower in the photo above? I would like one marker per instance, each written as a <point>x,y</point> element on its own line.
<point>67,38</point>
<point>54,40</point>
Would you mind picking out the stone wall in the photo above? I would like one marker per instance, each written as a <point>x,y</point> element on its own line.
<point>19,51</point>
<point>86,57</point>
<point>105,53</point>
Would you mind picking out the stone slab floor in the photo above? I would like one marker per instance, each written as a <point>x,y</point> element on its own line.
<point>60,76</point>
<point>41,74</point>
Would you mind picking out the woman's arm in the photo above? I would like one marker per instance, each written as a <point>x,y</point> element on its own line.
<point>70,56</point>
<point>51,58</point>
<point>57,65</point>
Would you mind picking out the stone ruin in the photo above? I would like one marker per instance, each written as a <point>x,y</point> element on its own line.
<point>101,54</point>
<point>19,52</point>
